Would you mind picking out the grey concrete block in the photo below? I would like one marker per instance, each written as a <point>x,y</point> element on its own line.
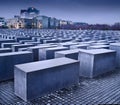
<point>8,45</point>
<point>34,43</point>
<point>50,41</point>
<point>6,41</point>
<point>68,44</point>
<point>5,50</point>
<point>64,40</point>
<point>49,53</point>
<point>73,54</point>
<point>94,44</point>
<point>116,47</point>
<point>36,79</point>
<point>23,49</point>
<point>98,47</point>
<point>35,50</point>
<point>8,60</point>
<point>23,41</point>
<point>81,46</point>
<point>16,47</point>
<point>22,38</point>
<point>96,62</point>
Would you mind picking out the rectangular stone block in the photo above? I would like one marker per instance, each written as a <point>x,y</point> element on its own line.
<point>5,50</point>
<point>34,43</point>
<point>22,38</point>
<point>98,47</point>
<point>49,53</point>
<point>36,79</point>
<point>42,39</point>
<point>94,44</point>
<point>73,54</point>
<point>23,41</point>
<point>96,62</point>
<point>50,41</point>
<point>16,47</point>
<point>8,45</point>
<point>68,44</point>
<point>23,49</point>
<point>35,50</point>
<point>81,46</point>
<point>116,47</point>
<point>64,40</point>
<point>8,60</point>
<point>6,41</point>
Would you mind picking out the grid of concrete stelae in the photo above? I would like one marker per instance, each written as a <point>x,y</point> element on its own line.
<point>104,89</point>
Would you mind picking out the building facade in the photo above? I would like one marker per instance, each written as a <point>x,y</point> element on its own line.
<point>18,23</point>
<point>31,18</point>
<point>44,21</point>
<point>29,13</point>
<point>2,22</point>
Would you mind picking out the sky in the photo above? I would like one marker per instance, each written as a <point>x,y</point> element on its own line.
<point>89,11</point>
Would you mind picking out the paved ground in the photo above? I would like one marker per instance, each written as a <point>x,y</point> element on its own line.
<point>102,90</point>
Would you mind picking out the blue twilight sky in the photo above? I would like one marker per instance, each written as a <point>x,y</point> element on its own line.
<point>90,11</point>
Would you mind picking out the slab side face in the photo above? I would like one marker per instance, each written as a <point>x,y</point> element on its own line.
<point>117,49</point>
<point>42,54</point>
<point>49,80</point>
<point>50,54</point>
<point>7,64</point>
<point>79,46</point>
<point>104,63</point>
<point>20,83</point>
<point>59,55</point>
<point>72,55</point>
<point>42,51</point>
<point>86,64</point>
<point>5,50</point>
<point>41,82</point>
<point>16,47</point>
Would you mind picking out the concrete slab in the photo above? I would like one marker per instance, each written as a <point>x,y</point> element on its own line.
<point>16,47</point>
<point>98,47</point>
<point>81,46</point>
<point>116,47</point>
<point>38,76</point>
<point>8,60</point>
<point>36,51</point>
<point>6,41</point>
<point>49,53</point>
<point>5,50</point>
<point>73,54</point>
<point>8,45</point>
<point>96,62</point>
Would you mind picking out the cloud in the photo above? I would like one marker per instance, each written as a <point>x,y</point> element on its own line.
<point>91,11</point>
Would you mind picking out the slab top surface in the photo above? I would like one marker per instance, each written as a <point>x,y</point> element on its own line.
<point>99,46</point>
<point>81,45</point>
<point>71,43</point>
<point>41,65</point>
<point>23,45</point>
<point>6,40</point>
<point>5,49</point>
<point>69,51</point>
<point>15,53</point>
<point>43,46</point>
<point>56,48</point>
<point>98,51</point>
<point>115,44</point>
<point>11,43</point>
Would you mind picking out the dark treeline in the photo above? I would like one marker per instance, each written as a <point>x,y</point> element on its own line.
<point>83,26</point>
